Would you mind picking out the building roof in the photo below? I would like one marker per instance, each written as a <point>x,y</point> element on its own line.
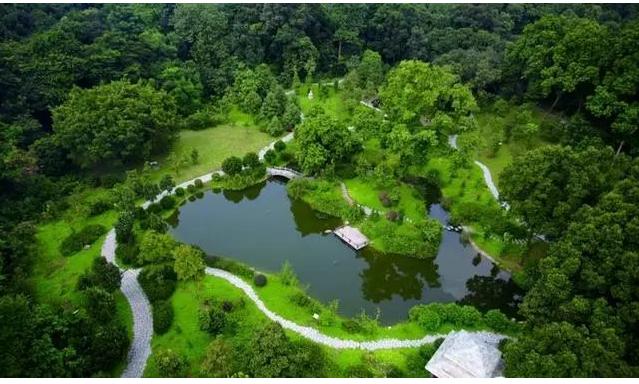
<point>352,236</point>
<point>464,354</point>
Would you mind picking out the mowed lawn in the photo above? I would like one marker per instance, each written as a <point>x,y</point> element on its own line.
<point>213,145</point>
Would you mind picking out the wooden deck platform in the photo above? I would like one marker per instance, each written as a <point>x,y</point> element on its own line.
<point>352,236</point>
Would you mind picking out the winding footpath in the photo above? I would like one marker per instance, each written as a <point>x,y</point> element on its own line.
<point>140,349</point>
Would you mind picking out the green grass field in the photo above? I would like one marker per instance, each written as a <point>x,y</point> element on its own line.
<point>365,193</point>
<point>332,103</point>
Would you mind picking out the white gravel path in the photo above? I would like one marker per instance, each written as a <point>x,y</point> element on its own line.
<point>140,349</point>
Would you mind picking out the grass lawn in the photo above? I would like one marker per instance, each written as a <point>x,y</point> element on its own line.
<point>365,193</point>
<point>214,145</point>
<point>332,103</point>
<point>468,186</point>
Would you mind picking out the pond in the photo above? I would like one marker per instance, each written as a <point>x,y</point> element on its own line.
<point>262,227</point>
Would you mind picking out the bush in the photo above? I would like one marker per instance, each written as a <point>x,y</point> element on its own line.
<point>218,360</point>
<point>169,363</point>
<point>128,253</point>
<point>102,275</point>
<point>426,317</point>
<point>392,216</point>
<point>179,191</point>
<point>166,183</point>
<point>270,156</point>
<point>167,202</point>
<point>259,280</point>
<point>158,281</point>
<point>234,267</point>
<point>212,320</point>
<point>279,146</point>
<point>76,241</point>
<point>497,320</point>
<point>124,227</point>
<point>251,160</point>
<point>162,316</point>
<point>99,206</point>
<point>100,304</point>
<point>301,299</point>
<point>232,165</point>
<point>385,199</point>
<point>469,316</point>
<point>190,189</point>
<point>153,208</point>
<point>275,127</point>
<point>351,326</point>
<point>287,274</point>
<point>198,183</point>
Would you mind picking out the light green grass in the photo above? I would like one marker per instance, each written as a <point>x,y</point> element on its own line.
<point>214,145</point>
<point>333,104</point>
<point>55,276</point>
<point>365,193</point>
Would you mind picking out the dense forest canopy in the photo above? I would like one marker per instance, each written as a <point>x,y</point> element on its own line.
<point>87,91</point>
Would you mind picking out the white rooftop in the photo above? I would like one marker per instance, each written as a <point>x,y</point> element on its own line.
<point>352,236</point>
<point>464,354</point>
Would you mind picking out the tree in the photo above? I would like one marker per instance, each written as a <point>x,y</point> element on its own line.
<point>212,320</point>
<point>167,183</point>
<point>251,160</point>
<point>323,141</point>
<point>170,363</point>
<point>546,186</point>
<point>415,92</point>
<point>275,127</point>
<point>291,116</point>
<point>232,165</point>
<point>218,360</point>
<point>559,55</point>
<point>100,304</point>
<point>195,156</point>
<point>156,248</point>
<point>269,353</point>
<point>182,83</point>
<point>274,103</point>
<point>124,226</point>
<point>118,121</point>
<point>189,263</point>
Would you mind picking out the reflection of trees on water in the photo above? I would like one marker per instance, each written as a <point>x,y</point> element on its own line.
<point>389,275</point>
<point>489,292</point>
<point>250,193</point>
<point>308,221</point>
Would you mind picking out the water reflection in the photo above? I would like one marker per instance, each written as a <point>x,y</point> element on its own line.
<point>262,227</point>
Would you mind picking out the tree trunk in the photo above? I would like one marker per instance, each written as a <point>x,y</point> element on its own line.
<point>554,104</point>
<point>339,51</point>
<point>619,148</point>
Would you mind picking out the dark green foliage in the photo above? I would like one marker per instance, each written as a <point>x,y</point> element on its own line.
<point>100,304</point>
<point>167,202</point>
<point>259,280</point>
<point>212,320</point>
<point>279,146</point>
<point>270,156</point>
<point>162,316</point>
<point>77,240</point>
<point>232,266</point>
<point>232,165</point>
<point>351,326</point>
<point>198,183</point>
<point>158,281</point>
<point>124,227</point>
<point>180,191</point>
<point>127,253</point>
<point>190,188</point>
<point>250,160</point>
<point>170,363</point>
<point>102,275</point>
<point>166,183</point>
<point>100,206</point>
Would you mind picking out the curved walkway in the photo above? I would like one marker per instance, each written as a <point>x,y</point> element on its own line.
<point>140,349</point>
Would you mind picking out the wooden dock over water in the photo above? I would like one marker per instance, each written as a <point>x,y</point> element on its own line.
<point>352,236</point>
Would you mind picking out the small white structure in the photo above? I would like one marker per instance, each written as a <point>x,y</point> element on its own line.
<point>352,236</point>
<point>310,94</point>
<point>467,355</point>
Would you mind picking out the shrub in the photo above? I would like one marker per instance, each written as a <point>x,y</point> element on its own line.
<point>198,183</point>
<point>426,317</point>
<point>189,262</point>
<point>156,247</point>
<point>250,160</point>
<point>301,299</point>
<point>218,360</point>
<point>167,202</point>
<point>162,316</point>
<point>154,222</point>
<point>154,208</point>
<point>99,206</point>
<point>351,326</point>
<point>270,156</point>
<point>279,146</point>
<point>124,227</point>
<point>287,274</point>
<point>497,321</point>
<point>86,236</point>
<point>212,320</point>
<point>385,199</point>
<point>227,306</point>
<point>259,280</point>
<point>469,316</point>
<point>232,165</point>
<point>392,216</point>
<point>275,127</point>
<point>169,363</point>
<point>166,183</point>
<point>190,188</point>
<point>140,213</point>
<point>158,281</point>
<point>102,274</point>
<point>100,304</point>
<point>179,191</point>
<point>128,253</point>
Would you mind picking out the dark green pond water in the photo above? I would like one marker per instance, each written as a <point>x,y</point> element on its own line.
<point>262,227</point>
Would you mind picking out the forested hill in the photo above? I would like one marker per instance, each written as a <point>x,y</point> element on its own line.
<point>89,91</point>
